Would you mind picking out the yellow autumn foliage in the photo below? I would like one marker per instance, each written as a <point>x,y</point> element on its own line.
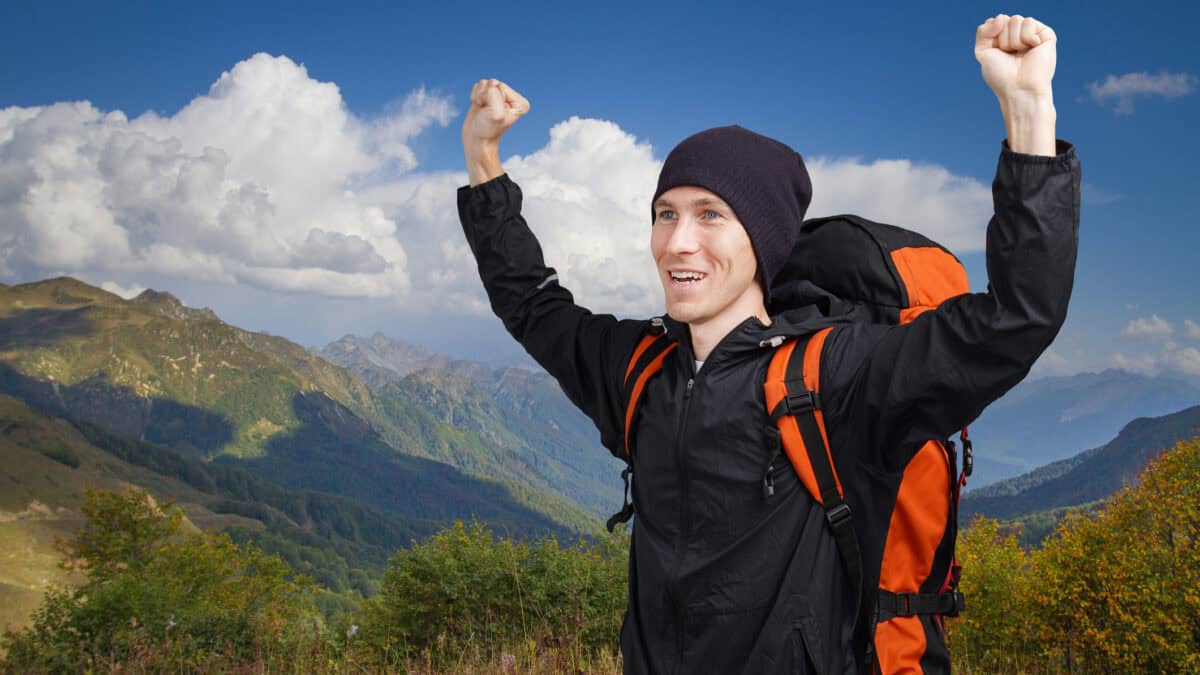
<point>1114,591</point>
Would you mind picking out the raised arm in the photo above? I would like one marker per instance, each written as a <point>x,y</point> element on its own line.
<point>584,352</point>
<point>929,378</point>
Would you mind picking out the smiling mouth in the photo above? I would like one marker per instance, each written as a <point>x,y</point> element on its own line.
<point>686,278</point>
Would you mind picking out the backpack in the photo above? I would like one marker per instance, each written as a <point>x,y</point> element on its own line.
<point>892,275</point>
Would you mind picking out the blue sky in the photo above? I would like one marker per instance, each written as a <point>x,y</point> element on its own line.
<point>850,86</point>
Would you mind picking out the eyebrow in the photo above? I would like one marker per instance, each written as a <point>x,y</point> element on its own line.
<point>701,201</point>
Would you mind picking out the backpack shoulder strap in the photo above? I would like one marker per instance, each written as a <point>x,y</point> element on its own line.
<point>644,363</point>
<point>793,399</point>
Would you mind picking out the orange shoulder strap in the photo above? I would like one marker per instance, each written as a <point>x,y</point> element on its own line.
<point>790,396</point>
<point>645,362</point>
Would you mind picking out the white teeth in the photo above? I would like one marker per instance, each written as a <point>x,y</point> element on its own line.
<point>687,276</point>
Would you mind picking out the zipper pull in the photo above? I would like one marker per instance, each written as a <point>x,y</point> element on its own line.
<point>768,481</point>
<point>688,392</point>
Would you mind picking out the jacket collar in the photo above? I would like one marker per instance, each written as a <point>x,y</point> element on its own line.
<point>809,309</point>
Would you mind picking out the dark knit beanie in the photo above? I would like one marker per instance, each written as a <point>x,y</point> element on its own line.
<point>762,179</point>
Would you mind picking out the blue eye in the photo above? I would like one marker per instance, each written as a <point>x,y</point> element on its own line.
<point>714,213</point>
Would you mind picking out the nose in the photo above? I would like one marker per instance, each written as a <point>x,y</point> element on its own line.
<point>684,237</point>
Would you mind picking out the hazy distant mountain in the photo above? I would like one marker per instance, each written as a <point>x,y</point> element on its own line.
<point>1049,419</point>
<point>1088,476</point>
<point>380,360</point>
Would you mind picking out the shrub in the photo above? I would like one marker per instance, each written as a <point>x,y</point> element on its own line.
<point>164,599</point>
<point>463,591</point>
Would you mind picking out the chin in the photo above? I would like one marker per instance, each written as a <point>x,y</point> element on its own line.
<point>682,314</point>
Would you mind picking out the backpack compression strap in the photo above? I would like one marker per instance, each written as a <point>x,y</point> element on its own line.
<point>793,398</point>
<point>645,362</point>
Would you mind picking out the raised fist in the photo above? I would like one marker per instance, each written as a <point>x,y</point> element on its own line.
<point>494,108</point>
<point>1017,55</point>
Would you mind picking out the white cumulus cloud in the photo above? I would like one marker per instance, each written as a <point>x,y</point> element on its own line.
<point>1191,329</point>
<point>127,292</point>
<point>951,210</point>
<point>1171,360</point>
<point>1153,327</point>
<point>1051,363</point>
<point>1124,88</point>
<point>1146,364</point>
<point>249,183</point>
<point>1185,361</point>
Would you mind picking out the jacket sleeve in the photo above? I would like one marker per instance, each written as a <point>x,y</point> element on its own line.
<point>931,377</point>
<point>585,352</point>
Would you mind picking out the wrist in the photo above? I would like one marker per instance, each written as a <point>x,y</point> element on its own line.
<point>479,146</point>
<point>1030,123</point>
<point>1027,105</point>
<point>483,161</point>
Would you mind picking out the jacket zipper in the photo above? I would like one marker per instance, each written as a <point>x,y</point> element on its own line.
<point>681,544</point>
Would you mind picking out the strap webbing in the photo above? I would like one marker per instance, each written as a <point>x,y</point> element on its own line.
<point>837,511</point>
<point>911,604</point>
<point>646,362</point>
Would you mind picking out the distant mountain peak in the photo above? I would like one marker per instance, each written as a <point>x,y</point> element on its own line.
<point>61,291</point>
<point>163,302</point>
<point>380,360</point>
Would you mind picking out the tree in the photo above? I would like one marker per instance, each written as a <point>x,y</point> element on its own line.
<point>164,599</point>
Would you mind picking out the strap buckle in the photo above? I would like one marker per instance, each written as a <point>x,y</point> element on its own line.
<point>945,604</point>
<point>798,401</point>
<point>803,401</point>
<point>838,515</point>
<point>960,603</point>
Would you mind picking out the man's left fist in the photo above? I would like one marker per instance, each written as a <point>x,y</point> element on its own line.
<point>1017,55</point>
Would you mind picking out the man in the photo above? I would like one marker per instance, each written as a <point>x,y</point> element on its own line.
<point>724,578</point>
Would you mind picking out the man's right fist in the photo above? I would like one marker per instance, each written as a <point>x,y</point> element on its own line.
<point>494,108</point>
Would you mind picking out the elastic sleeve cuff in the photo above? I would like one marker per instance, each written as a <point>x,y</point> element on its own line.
<point>1064,152</point>
<point>496,199</point>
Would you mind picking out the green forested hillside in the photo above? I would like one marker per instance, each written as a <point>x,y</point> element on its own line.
<point>154,370</point>
<point>502,422</point>
<point>515,434</point>
<point>47,464</point>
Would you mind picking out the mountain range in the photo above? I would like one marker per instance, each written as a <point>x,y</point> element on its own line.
<point>1084,479</point>
<point>1053,418</point>
<point>153,370</point>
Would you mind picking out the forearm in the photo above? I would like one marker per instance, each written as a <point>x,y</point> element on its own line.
<point>1030,123</point>
<point>483,162</point>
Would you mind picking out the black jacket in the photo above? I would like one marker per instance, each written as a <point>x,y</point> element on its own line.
<point>723,579</point>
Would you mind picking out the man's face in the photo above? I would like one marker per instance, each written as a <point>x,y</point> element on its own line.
<point>705,260</point>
